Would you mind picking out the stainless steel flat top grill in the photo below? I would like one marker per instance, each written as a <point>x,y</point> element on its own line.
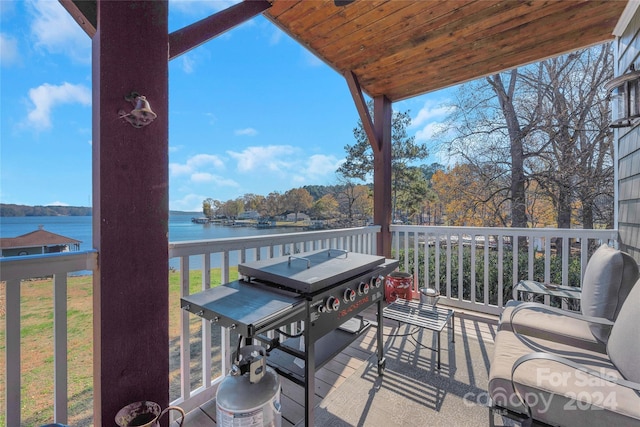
<point>313,271</point>
<point>322,292</point>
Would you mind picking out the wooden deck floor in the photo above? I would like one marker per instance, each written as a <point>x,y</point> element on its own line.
<point>411,391</point>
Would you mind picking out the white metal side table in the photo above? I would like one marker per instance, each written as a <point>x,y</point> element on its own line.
<point>426,316</point>
<point>528,290</point>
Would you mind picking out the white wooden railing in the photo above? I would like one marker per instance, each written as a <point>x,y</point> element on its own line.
<point>225,253</point>
<point>489,248</point>
<point>13,271</point>
<point>218,253</point>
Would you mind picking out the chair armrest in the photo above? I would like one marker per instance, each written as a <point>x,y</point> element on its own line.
<point>555,358</point>
<point>555,310</point>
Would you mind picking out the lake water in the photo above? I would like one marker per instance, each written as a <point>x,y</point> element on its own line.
<point>180,229</point>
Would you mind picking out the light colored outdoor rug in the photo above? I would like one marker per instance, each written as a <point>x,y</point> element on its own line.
<point>412,391</point>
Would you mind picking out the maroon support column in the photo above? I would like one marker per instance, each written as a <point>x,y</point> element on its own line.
<point>130,208</point>
<point>382,113</point>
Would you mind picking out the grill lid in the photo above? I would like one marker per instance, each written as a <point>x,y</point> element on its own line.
<point>311,271</point>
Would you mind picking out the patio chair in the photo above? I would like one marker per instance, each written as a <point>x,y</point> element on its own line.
<point>608,278</point>
<point>534,380</point>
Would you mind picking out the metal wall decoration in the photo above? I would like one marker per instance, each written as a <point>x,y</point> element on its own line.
<point>141,115</point>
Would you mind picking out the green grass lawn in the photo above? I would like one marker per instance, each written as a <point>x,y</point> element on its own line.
<point>37,345</point>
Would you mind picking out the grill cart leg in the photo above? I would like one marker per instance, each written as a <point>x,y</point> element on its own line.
<point>381,359</point>
<point>310,377</point>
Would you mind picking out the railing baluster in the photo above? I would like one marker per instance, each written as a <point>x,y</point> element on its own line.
<point>416,279</point>
<point>473,268</point>
<point>60,372</point>
<point>530,256</point>
<point>427,283</point>
<point>515,249</point>
<point>448,266</point>
<point>437,265</point>
<point>406,249</point>
<point>12,341</point>
<point>566,251</point>
<point>185,335</point>
<point>224,277</point>
<point>487,248</point>
<point>500,273</point>
<point>584,256</point>
<point>206,325</point>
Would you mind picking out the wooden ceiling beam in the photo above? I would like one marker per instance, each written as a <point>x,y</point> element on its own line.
<point>363,110</point>
<point>187,38</point>
<point>85,13</point>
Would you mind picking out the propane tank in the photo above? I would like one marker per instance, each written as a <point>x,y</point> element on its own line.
<point>250,395</point>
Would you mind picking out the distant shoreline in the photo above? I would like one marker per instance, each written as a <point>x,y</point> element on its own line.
<point>12,210</point>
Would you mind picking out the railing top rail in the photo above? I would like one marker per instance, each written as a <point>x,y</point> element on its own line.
<point>507,231</point>
<point>28,266</point>
<point>248,242</point>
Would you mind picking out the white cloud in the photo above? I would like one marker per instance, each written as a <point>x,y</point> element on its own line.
<point>187,64</point>
<point>429,112</point>
<point>320,165</point>
<point>55,30</point>
<point>311,60</point>
<point>216,180</point>
<point>57,203</point>
<point>246,132</point>
<point>45,97</point>
<point>8,50</point>
<point>212,118</point>
<point>256,159</point>
<point>188,203</point>
<point>202,177</point>
<point>276,36</point>
<point>429,119</point>
<point>194,165</point>
<point>427,132</point>
<point>177,169</point>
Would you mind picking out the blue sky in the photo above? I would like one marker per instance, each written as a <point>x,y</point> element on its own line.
<point>250,111</point>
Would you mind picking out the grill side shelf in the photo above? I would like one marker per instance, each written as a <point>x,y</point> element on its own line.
<point>246,308</point>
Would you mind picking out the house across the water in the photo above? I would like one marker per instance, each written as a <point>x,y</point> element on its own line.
<point>37,242</point>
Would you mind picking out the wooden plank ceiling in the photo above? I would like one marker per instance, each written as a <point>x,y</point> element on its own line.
<point>402,48</point>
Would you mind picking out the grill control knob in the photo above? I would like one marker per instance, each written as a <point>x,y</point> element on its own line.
<point>376,281</point>
<point>363,288</point>
<point>332,304</point>
<point>349,295</point>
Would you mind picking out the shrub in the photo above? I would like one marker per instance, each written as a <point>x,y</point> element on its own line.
<point>555,267</point>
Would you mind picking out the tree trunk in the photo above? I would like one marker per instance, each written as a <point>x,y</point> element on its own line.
<point>506,97</point>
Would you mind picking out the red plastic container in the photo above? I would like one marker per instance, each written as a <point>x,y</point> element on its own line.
<point>398,285</point>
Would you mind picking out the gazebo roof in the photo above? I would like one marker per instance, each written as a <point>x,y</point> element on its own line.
<point>402,49</point>
<point>38,237</point>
